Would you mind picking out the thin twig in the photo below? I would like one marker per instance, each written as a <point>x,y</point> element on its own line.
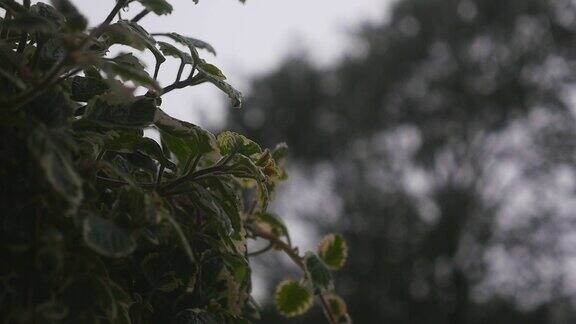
<point>298,260</point>
<point>180,70</point>
<point>192,163</point>
<point>140,15</point>
<point>100,29</point>
<point>182,84</point>
<point>159,176</point>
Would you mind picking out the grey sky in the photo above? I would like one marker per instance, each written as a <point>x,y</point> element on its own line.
<point>250,38</point>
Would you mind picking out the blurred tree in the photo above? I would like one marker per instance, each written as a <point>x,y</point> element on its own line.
<point>450,116</point>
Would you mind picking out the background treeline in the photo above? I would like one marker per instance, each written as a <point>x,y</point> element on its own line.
<point>450,135</point>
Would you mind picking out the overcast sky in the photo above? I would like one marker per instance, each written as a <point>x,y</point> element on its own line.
<point>249,38</point>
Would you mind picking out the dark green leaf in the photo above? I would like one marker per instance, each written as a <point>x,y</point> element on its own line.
<point>197,316</point>
<point>106,238</point>
<point>141,34</point>
<point>52,51</point>
<point>159,7</point>
<point>170,50</point>
<point>244,167</point>
<point>292,298</point>
<point>333,251</point>
<point>110,111</point>
<point>271,223</point>
<point>230,142</point>
<point>337,306</point>
<point>214,75</point>
<point>57,166</point>
<point>49,13</point>
<point>29,22</point>
<point>150,147</point>
<point>318,274</point>
<point>183,138</point>
<point>85,88</point>
<point>190,42</point>
<point>74,20</point>
<point>206,201</point>
<point>128,67</point>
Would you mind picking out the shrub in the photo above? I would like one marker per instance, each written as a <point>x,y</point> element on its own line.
<point>101,224</point>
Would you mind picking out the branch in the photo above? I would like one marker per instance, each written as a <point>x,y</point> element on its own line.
<point>293,254</point>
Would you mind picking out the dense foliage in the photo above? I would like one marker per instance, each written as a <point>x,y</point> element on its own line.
<point>448,142</point>
<point>101,224</point>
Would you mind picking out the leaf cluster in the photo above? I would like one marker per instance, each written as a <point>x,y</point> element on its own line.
<point>102,224</point>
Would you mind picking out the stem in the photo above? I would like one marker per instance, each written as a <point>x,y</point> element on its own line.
<point>263,250</point>
<point>182,84</point>
<point>140,15</point>
<point>194,162</point>
<point>159,176</point>
<point>298,260</point>
<point>180,70</point>
<point>100,29</point>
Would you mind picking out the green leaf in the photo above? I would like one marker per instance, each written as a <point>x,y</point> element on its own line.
<point>338,309</point>
<point>159,7</point>
<point>211,70</point>
<point>271,223</point>
<point>207,202</point>
<point>128,67</point>
<point>150,147</point>
<point>171,50</point>
<point>333,251</point>
<point>104,237</point>
<point>244,167</point>
<point>318,274</point>
<point>29,22</point>
<point>217,79</point>
<point>85,88</point>
<point>57,166</point>
<point>183,139</point>
<point>280,152</point>
<point>238,266</point>
<point>197,316</point>
<point>122,140</point>
<point>118,33</point>
<point>110,111</point>
<point>53,50</point>
<point>292,298</point>
<point>48,12</point>
<point>228,198</point>
<point>131,34</point>
<point>230,142</point>
<point>190,42</point>
<point>74,20</point>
